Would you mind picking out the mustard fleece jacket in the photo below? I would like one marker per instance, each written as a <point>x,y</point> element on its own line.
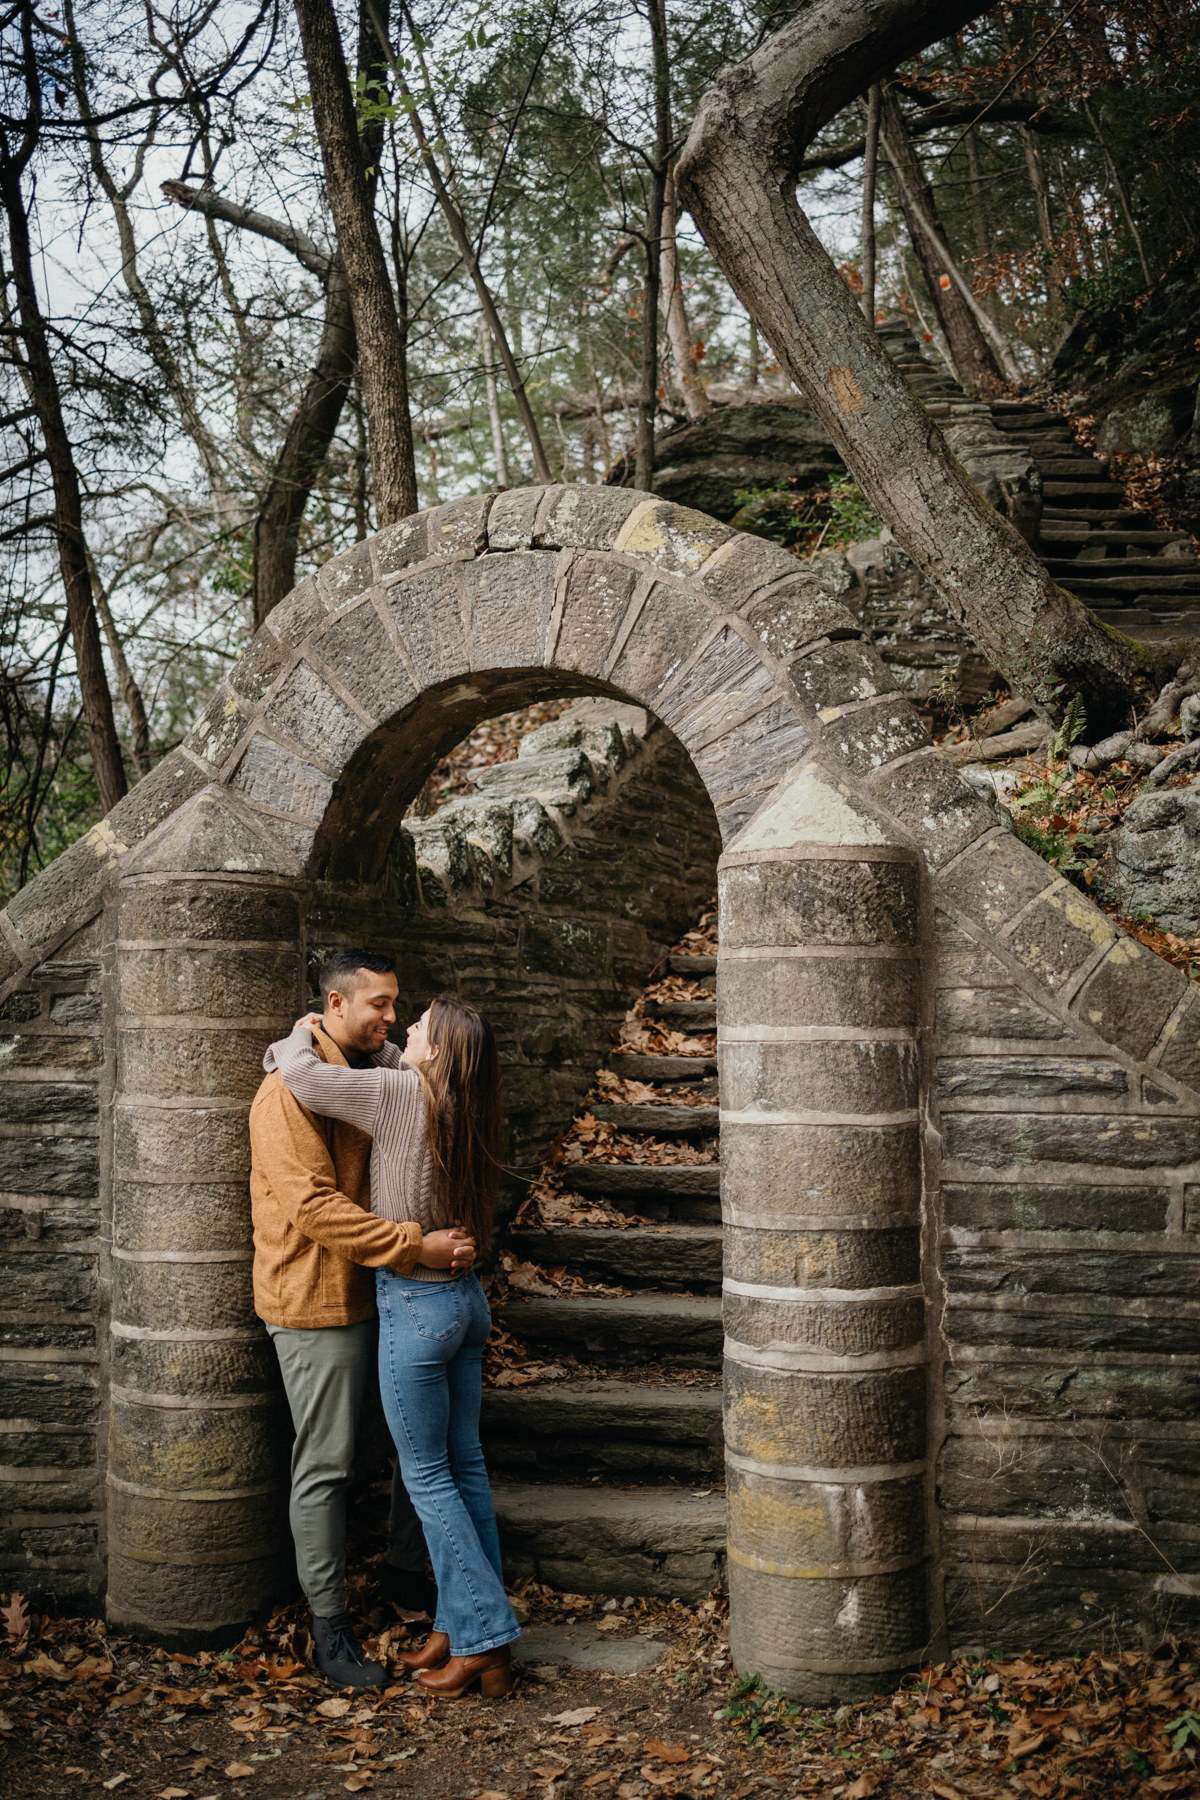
<point>315,1237</point>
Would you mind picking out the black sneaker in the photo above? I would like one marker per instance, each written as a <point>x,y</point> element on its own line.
<point>339,1657</point>
<point>410,1589</point>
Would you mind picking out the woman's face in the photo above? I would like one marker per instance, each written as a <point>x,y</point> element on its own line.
<point>417,1047</point>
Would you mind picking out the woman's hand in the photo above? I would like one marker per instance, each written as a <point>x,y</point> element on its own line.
<point>451,1249</point>
<point>312,1020</point>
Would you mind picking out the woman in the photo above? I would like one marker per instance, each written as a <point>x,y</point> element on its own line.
<point>433,1111</point>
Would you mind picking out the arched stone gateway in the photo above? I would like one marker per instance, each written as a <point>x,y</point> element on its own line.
<point>942,1074</point>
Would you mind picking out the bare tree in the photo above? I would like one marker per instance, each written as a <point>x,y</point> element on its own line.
<point>382,352</point>
<point>737,175</point>
<point>19,142</point>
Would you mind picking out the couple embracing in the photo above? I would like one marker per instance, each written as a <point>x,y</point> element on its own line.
<point>373,1180</point>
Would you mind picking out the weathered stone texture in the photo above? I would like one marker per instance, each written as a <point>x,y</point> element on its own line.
<point>820,902</point>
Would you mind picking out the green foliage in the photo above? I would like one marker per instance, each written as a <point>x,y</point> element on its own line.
<point>806,519</point>
<point>1039,818</point>
<point>755,1709</point>
<point>1184,1729</point>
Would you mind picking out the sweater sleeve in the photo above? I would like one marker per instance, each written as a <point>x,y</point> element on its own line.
<point>389,1057</point>
<point>325,1088</point>
<point>291,1155</point>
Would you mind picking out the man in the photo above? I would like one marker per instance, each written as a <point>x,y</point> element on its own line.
<point>315,1243</point>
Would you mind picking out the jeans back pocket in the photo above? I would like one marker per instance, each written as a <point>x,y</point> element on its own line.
<point>434,1310</point>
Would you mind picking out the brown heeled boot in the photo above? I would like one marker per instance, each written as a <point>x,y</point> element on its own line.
<point>492,1670</point>
<point>432,1654</point>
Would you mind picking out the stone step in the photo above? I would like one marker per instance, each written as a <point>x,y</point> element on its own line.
<point>1100,568</point>
<point>1132,584</point>
<point>690,1015</point>
<point>684,1191</point>
<point>1070,468</point>
<point>664,1256</point>
<point>1122,517</point>
<point>663,1068</point>
<point>633,1328</point>
<point>692,965</point>
<point>1083,491</point>
<point>1060,533</point>
<point>612,1428</point>
<point>662,1121</point>
<point>606,1540</point>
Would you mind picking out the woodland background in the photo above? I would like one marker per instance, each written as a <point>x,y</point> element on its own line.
<point>183,429</point>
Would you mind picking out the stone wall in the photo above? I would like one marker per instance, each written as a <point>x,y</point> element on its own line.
<point>1036,1137</point>
<point>546,897</point>
<point>56,1076</point>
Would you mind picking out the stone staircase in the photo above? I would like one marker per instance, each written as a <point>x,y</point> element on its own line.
<point>1113,557</point>
<point>610,1482</point>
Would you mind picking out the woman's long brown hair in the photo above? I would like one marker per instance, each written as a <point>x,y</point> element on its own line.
<point>463,1114</point>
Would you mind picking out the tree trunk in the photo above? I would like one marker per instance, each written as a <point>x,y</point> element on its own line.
<point>381,347</point>
<point>42,386</point>
<point>488,353</point>
<point>648,370</point>
<point>309,435</point>
<point>870,159</point>
<point>312,425</point>
<point>973,355</point>
<point>737,175</point>
<point>674,310</point>
<point>458,231</point>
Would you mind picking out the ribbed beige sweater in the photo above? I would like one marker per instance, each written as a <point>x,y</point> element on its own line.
<point>387,1102</point>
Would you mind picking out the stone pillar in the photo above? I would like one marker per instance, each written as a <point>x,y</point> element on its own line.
<point>825,1433</point>
<point>209,968</point>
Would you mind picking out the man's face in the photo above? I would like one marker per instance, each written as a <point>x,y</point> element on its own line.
<point>361,1019</point>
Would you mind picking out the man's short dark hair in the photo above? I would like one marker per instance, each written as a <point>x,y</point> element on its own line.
<point>339,972</point>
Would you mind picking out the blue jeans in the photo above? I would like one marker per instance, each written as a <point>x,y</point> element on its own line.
<point>431,1339</point>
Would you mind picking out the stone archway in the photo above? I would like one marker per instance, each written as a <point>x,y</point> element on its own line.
<point>852,857</point>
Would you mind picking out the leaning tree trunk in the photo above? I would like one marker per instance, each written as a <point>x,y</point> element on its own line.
<point>309,435</point>
<point>381,347</point>
<point>737,175</point>
<point>971,351</point>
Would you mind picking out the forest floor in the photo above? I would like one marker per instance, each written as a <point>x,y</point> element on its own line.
<point>84,1710</point>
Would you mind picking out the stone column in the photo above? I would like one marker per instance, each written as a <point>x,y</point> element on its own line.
<point>824,1317</point>
<point>209,968</point>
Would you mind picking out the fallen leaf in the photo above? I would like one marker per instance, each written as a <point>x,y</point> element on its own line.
<point>248,1671</point>
<point>168,1793</point>
<point>495,1794</point>
<point>116,1781</point>
<point>1029,1746</point>
<point>580,1716</point>
<point>336,1708</point>
<point>42,1664</point>
<point>283,1671</point>
<point>866,1784</point>
<point>133,1698</point>
<point>238,1771</point>
<point>354,1784</point>
<point>6,1723</point>
<point>16,1616</point>
<point>198,1767</point>
<point>72,1770</point>
<point>548,1771</point>
<point>595,1780</point>
<point>668,1753</point>
<point>945,1792</point>
<point>613,1622</point>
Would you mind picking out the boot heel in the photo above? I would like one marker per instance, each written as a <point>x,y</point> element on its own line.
<point>493,1683</point>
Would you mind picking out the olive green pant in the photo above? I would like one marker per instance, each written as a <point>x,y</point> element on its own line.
<point>326,1374</point>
